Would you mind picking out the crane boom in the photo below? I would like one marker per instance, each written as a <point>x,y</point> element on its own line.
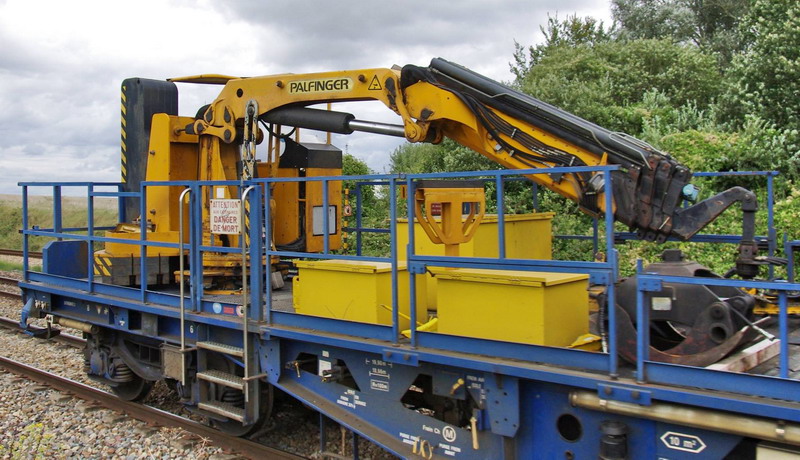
<point>511,128</point>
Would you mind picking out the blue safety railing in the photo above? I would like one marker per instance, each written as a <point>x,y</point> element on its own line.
<point>58,230</point>
<point>769,240</point>
<point>600,272</point>
<point>761,385</point>
<point>360,229</point>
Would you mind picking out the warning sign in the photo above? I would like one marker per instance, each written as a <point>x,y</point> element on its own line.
<point>375,84</point>
<point>226,217</point>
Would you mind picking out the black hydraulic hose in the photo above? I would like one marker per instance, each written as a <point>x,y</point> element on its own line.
<point>570,127</point>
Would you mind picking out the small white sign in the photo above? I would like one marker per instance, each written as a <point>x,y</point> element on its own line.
<point>683,442</point>
<point>226,217</point>
<point>317,225</point>
<point>662,304</point>
<point>324,366</point>
<point>378,385</point>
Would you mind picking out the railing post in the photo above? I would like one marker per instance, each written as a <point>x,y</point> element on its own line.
<point>501,217</point>
<point>195,241</point>
<point>359,216</point>
<point>788,251</point>
<point>611,259</point>
<point>57,214</point>
<point>412,280</point>
<point>121,217</point>
<point>143,242</point>
<point>642,328</point>
<point>325,218</point>
<point>783,325</point>
<point>393,248</point>
<point>268,251</point>
<point>90,241</point>
<point>256,252</point>
<point>182,282</point>
<point>771,235</point>
<point>25,233</point>
<point>245,313</point>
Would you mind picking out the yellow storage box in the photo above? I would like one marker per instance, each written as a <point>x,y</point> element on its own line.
<point>528,236</point>
<point>355,291</point>
<point>514,306</point>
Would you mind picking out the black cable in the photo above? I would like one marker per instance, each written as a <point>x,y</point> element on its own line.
<point>495,125</point>
<point>279,135</point>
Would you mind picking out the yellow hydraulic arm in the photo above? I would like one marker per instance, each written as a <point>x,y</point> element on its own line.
<point>509,127</point>
<point>428,112</point>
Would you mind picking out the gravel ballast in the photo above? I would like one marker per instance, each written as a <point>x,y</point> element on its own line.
<point>36,417</point>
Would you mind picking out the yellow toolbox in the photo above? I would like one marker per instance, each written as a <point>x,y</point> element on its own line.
<point>514,306</point>
<point>355,291</point>
<point>528,236</point>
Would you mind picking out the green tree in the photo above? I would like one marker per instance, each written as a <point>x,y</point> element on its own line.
<point>414,158</point>
<point>571,31</point>
<point>643,19</point>
<point>607,83</point>
<point>710,24</point>
<point>768,73</point>
<point>752,148</point>
<point>374,209</point>
<point>433,158</point>
<point>352,166</point>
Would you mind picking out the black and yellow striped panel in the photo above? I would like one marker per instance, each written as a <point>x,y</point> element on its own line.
<point>102,265</point>
<point>124,158</point>
<point>140,99</point>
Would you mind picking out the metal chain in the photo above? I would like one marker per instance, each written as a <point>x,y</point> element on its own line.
<point>249,140</point>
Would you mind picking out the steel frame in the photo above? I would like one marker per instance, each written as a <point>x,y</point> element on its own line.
<point>533,365</point>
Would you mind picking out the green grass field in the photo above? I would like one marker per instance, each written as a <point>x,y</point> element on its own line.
<point>40,213</point>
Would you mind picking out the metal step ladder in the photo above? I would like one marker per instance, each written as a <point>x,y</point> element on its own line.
<point>213,382</point>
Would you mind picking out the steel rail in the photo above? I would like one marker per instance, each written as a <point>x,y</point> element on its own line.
<point>5,279</point>
<point>10,295</point>
<point>144,413</point>
<point>68,339</point>
<point>7,294</point>
<point>242,446</point>
<point>18,253</point>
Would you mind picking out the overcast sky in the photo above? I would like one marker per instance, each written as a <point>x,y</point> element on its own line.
<point>62,62</point>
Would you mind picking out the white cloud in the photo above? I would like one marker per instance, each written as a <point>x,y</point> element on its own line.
<point>63,62</point>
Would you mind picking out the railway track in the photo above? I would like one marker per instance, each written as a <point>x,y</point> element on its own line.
<point>144,413</point>
<point>140,412</point>
<point>18,253</point>
<point>7,282</point>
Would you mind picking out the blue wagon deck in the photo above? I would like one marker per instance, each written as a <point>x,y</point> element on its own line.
<point>516,400</point>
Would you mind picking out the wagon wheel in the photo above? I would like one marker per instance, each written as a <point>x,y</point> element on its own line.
<point>135,390</point>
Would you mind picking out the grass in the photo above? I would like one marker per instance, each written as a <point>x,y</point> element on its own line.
<point>41,214</point>
<point>13,266</point>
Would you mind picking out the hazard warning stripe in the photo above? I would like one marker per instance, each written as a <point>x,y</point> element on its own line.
<point>247,223</point>
<point>124,148</point>
<point>102,266</point>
